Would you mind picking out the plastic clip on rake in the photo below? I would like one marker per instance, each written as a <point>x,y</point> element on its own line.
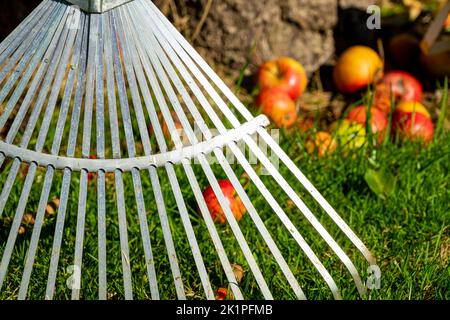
<point>115,79</point>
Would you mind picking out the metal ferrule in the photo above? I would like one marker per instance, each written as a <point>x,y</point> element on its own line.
<point>98,6</point>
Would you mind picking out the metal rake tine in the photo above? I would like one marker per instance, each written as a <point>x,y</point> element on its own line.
<point>86,144</point>
<point>30,125</point>
<point>101,189</point>
<point>186,126</point>
<point>170,31</point>
<point>178,143</point>
<point>247,201</point>
<point>12,174</point>
<point>56,247</point>
<point>123,233</point>
<point>224,165</point>
<point>260,225</point>
<point>120,79</point>
<point>10,43</point>
<point>110,65</point>
<point>212,230</point>
<point>16,222</point>
<point>46,86</point>
<point>47,42</point>
<point>235,227</point>
<point>318,197</point>
<point>169,168</point>
<point>161,207</point>
<point>247,115</point>
<point>31,253</point>
<point>76,64</point>
<point>191,176</point>
<point>20,45</point>
<point>286,221</point>
<point>319,266</point>
<point>167,234</point>
<point>79,237</point>
<point>101,228</point>
<point>159,136</point>
<point>344,258</point>
<point>307,213</point>
<point>149,260</point>
<point>50,170</point>
<point>79,92</point>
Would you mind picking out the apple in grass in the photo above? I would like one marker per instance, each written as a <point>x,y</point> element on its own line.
<point>356,68</point>
<point>378,120</point>
<point>278,106</point>
<point>223,294</point>
<point>411,107</point>
<point>382,98</point>
<point>285,74</point>
<point>322,144</point>
<point>349,135</point>
<point>413,127</point>
<point>214,207</point>
<point>404,85</point>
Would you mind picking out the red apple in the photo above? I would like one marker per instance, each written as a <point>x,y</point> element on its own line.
<point>404,85</point>
<point>285,74</point>
<point>378,120</point>
<point>214,207</point>
<point>382,98</point>
<point>413,127</point>
<point>278,106</point>
<point>222,294</point>
<point>322,143</point>
<point>357,67</point>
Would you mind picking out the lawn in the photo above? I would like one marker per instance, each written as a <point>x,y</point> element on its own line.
<point>408,231</point>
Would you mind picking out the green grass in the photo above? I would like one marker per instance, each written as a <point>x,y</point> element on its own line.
<point>407,229</point>
<point>408,232</point>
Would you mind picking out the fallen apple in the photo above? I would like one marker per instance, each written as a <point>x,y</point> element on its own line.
<point>278,106</point>
<point>350,136</point>
<point>285,74</point>
<point>411,107</point>
<point>214,207</point>
<point>413,127</point>
<point>222,294</point>
<point>404,85</point>
<point>356,68</point>
<point>382,98</point>
<point>322,144</point>
<point>378,120</point>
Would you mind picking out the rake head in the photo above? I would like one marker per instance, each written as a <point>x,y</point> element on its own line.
<point>101,111</point>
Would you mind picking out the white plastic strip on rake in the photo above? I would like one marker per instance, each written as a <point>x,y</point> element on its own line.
<point>112,71</point>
